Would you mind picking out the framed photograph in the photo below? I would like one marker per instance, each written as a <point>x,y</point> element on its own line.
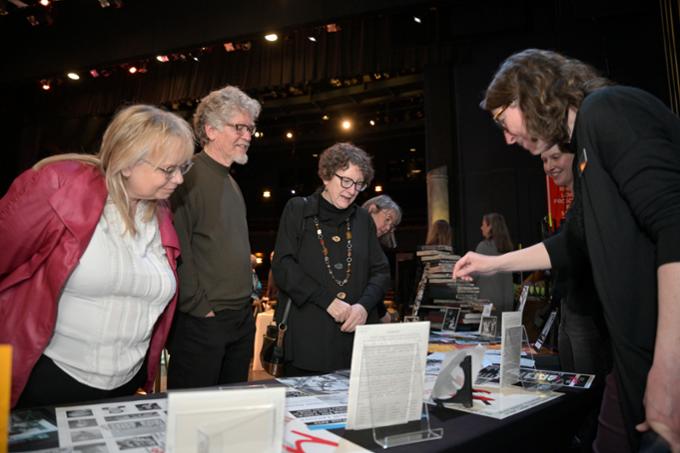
<point>487,326</point>
<point>450,319</point>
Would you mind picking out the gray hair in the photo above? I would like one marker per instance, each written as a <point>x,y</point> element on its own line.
<point>384,202</point>
<point>217,108</point>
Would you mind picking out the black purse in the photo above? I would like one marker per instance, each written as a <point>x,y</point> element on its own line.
<point>272,353</point>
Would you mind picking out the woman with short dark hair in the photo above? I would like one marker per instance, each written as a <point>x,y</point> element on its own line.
<point>329,262</point>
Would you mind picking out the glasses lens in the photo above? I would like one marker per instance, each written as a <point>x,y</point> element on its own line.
<point>185,167</point>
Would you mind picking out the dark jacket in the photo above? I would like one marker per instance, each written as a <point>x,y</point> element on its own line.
<point>627,146</point>
<point>313,339</point>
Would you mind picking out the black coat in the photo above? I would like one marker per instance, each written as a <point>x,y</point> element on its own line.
<point>627,146</point>
<point>313,339</point>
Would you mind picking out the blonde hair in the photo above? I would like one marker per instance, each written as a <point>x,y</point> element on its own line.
<point>135,132</point>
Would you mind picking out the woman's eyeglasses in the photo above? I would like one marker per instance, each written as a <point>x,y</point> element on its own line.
<point>171,170</point>
<point>347,183</point>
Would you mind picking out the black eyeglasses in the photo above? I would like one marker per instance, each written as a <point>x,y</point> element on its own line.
<point>170,171</point>
<point>347,183</point>
<point>497,116</point>
<point>242,128</point>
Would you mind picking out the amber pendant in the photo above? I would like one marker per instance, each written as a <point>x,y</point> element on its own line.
<point>341,295</point>
<point>335,238</point>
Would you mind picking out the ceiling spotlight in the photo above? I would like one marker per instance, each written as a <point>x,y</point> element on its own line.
<point>195,58</point>
<point>292,191</point>
<point>162,58</point>
<point>73,76</point>
<point>311,38</point>
<point>372,122</point>
<point>346,125</point>
<point>378,188</point>
<point>325,117</point>
<point>333,28</point>
<point>45,85</point>
<point>289,135</point>
<point>104,3</point>
<point>132,69</point>
<point>258,134</point>
<point>266,194</point>
<point>413,150</point>
<point>45,2</point>
<point>271,37</point>
<point>229,46</point>
<point>94,73</point>
<point>417,20</point>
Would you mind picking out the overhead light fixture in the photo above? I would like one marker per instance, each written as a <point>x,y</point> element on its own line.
<point>132,69</point>
<point>258,134</point>
<point>333,28</point>
<point>413,150</point>
<point>271,37</point>
<point>229,46</point>
<point>372,122</point>
<point>45,2</point>
<point>104,3</point>
<point>346,125</point>
<point>45,85</point>
<point>266,194</point>
<point>325,117</point>
<point>162,58</point>
<point>311,38</point>
<point>292,191</point>
<point>378,188</point>
<point>417,20</point>
<point>289,135</point>
<point>94,73</point>
<point>73,76</point>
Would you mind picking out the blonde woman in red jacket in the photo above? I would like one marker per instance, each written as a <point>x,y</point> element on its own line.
<point>87,269</point>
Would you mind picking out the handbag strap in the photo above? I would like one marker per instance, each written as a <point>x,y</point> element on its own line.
<point>301,231</point>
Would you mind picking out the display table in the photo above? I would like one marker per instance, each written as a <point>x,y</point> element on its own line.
<point>261,322</point>
<point>548,427</point>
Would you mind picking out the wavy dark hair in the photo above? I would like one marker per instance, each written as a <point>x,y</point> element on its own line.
<point>499,232</point>
<point>339,156</point>
<point>544,84</point>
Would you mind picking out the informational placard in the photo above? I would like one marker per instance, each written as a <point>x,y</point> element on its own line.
<point>388,373</point>
<point>219,421</point>
<point>511,347</point>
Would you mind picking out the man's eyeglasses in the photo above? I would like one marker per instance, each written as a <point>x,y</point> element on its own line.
<point>171,170</point>
<point>347,183</point>
<point>242,128</point>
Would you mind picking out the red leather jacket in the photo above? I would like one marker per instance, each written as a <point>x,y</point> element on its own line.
<point>47,219</point>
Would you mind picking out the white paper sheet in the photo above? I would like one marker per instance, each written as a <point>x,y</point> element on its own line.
<point>388,370</point>
<point>511,347</point>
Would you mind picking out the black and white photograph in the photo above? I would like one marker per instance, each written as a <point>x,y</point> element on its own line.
<point>91,448</point>
<point>86,434</point>
<point>136,442</point>
<point>79,413</point>
<point>487,327</point>
<point>82,423</point>
<point>147,406</point>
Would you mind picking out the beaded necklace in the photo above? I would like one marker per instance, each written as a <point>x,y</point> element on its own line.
<point>324,251</point>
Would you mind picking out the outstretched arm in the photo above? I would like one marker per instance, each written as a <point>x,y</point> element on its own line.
<point>532,258</point>
<point>662,396</point>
